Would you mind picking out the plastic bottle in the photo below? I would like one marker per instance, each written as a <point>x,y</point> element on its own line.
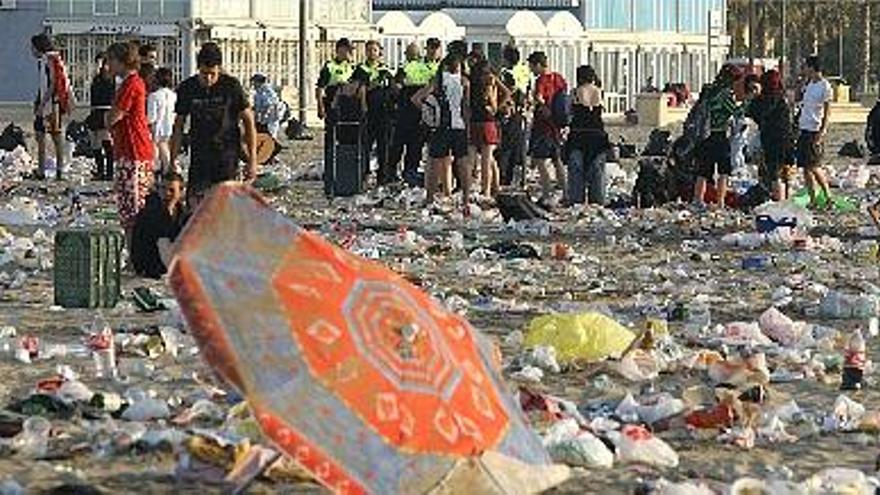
<point>854,361</point>
<point>102,345</point>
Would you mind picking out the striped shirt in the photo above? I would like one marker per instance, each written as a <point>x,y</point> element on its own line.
<point>722,107</point>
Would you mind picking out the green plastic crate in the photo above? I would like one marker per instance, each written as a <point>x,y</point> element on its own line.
<point>88,268</point>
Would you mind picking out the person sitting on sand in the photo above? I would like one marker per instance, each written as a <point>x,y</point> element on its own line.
<point>158,223</point>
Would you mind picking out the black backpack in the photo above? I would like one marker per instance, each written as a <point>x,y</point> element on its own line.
<point>853,149</point>
<point>12,137</point>
<point>698,123</point>
<point>754,197</point>
<point>78,133</point>
<point>651,184</point>
<point>518,206</point>
<point>659,143</point>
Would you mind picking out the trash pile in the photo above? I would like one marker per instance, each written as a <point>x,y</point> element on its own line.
<point>650,351</point>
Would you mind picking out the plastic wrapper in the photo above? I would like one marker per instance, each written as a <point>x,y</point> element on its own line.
<point>588,337</point>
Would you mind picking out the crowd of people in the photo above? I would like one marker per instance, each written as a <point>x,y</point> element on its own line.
<point>137,122</point>
<point>472,118</point>
<point>478,123</point>
<point>792,133</point>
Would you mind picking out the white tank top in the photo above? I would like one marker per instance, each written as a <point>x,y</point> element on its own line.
<point>454,89</point>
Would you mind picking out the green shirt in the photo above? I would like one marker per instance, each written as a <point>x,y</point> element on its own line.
<point>722,107</point>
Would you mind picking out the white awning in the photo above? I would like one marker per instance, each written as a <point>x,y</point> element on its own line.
<point>134,27</point>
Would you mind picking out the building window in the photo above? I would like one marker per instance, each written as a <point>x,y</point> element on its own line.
<point>106,7</point>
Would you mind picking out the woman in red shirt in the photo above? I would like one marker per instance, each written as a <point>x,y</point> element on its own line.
<point>132,144</point>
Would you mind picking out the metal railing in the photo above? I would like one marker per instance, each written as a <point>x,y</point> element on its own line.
<point>615,104</point>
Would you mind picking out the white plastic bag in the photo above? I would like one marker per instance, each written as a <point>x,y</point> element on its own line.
<point>567,444</point>
<point>779,327</point>
<point>636,444</point>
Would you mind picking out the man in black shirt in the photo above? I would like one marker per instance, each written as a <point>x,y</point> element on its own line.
<point>217,105</point>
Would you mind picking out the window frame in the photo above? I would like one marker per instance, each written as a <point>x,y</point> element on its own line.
<point>105,14</point>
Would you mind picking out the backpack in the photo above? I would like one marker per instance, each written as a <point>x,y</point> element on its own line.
<point>852,149</point>
<point>698,124</point>
<point>651,184</point>
<point>754,197</point>
<point>12,137</point>
<point>436,111</point>
<point>659,143</point>
<point>61,91</point>
<point>78,133</point>
<point>519,207</point>
<point>560,108</point>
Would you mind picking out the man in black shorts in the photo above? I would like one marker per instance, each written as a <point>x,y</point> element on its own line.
<point>813,124</point>
<point>714,151</point>
<point>216,103</point>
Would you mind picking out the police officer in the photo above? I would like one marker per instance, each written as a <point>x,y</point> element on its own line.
<point>433,55</point>
<point>334,74</point>
<point>415,74</point>
<point>380,107</point>
<point>517,76</point>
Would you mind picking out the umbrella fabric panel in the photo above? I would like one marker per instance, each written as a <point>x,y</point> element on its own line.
<point>364,379</point>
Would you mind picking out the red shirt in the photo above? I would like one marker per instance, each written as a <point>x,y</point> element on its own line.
<point>131,135</point>
<point>547,85</point>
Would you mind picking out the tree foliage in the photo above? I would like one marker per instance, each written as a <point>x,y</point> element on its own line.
<point>811,26</point>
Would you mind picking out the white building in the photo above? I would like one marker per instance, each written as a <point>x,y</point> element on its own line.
<point>627,41</point>
<point>255,35</point>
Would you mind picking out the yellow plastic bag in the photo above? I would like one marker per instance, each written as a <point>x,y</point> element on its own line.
<point>589,337</point>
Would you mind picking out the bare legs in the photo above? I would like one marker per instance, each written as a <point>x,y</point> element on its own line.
<point>816,176</point>
<point>57,142</point>
<point>490,180</point>
<point>700,190</point>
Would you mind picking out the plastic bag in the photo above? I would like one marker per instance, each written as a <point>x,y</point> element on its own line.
<point>779,211</point>
<point>638,366</point>
<point>587,337</point>
<point>638,445</point>
<point>842,204</point>
<point>543,357</point>
<point>845,416</point>
<point>146,409</point>
<point>567,444</point>
<point>779,327</point>
<point>741,333</point>
<point>658,408</point>
<point>838,480</point>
